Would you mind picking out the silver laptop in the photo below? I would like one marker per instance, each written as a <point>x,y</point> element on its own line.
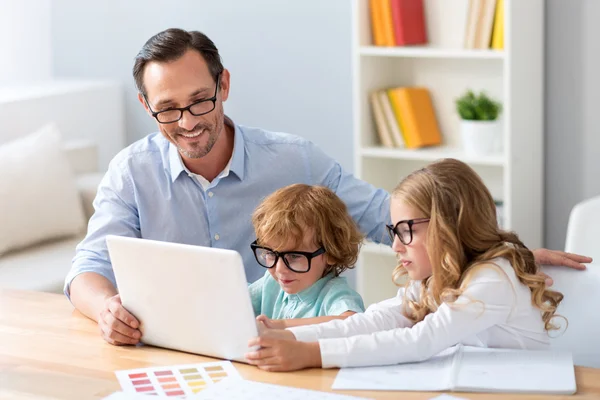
<point>188,298</point>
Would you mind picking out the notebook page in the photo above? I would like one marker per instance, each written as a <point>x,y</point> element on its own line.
<point>517,371</point>
<point>431,375</point>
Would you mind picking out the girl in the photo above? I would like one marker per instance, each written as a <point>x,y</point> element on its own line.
<point>469,282</point>
<point>305,240</point>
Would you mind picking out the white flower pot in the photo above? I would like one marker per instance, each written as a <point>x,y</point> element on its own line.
<point>481,138</point>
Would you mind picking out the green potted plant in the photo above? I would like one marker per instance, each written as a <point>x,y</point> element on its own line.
<point>480,128</point>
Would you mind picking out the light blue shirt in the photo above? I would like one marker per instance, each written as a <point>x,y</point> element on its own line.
<point>329,295</point>
<point>148,193</point>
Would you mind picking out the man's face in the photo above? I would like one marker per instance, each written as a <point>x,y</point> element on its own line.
<point>180,83</point>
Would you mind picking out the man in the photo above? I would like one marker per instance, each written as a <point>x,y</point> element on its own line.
<point>199,179</point>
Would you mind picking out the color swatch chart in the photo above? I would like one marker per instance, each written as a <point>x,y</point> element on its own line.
<point>177,381</point>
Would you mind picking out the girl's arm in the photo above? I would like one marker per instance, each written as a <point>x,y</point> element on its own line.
<point>487,301</point>
<point>381,316</point>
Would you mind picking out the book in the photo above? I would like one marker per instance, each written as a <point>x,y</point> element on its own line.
<point>385,137</point>
<point>486,24</point>
<point>387,22</point>
<point>446,23</point>
<point>498,32</point>
<point>408,19</point>
<point>390,118</point>
<point>376,23</point>
<point>413,109</point>
<point>473,19</point>
<point>470,369</point>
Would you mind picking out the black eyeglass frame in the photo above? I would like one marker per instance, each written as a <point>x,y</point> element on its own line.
<point>155,114</point>
<point>309,256</point>
<point>393,229</point>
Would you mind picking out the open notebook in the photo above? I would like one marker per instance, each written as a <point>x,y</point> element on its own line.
<point>470,369</point>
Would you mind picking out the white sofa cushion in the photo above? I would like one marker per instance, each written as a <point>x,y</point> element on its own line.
<point>42,267</point>
<point>39,200</point>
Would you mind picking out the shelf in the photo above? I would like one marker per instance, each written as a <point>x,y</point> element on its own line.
<point>379,249</point>
<point>430,52</point>
<point>432,154</point>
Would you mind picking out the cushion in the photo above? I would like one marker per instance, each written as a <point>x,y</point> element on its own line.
<point>39,200</point>
<point>42,267</point>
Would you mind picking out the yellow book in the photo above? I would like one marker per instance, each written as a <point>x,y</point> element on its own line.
<point>414,111</point>
<point>388,24</point>
<point>498,33</point>
<point>376,23</point>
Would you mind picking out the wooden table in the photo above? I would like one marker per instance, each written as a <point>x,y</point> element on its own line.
<point>49,351</point>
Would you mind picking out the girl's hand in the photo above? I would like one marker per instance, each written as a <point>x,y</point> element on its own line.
<point>278,353</point>
<point>271,323</point>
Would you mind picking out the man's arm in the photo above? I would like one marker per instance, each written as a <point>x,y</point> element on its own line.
<point>368,205</point>
<point>90,284</point>
<point>89,292</point>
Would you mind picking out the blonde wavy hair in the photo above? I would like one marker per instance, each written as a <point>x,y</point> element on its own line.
<point>290,213</point>
<point>464,234</point>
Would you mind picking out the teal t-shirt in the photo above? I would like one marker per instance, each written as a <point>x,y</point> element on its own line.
<point>329,295</point>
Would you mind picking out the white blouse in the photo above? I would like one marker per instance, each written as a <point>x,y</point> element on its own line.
<point>495,310</point>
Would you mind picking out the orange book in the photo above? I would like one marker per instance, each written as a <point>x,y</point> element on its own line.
<point>376,23</point>
<point>414,111</point>
<point>388,23</point>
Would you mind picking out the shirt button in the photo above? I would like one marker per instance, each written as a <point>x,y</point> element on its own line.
<point>210,194</point>
<point>217,237</point>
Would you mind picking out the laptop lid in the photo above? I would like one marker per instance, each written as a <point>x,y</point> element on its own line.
<point>188,298</point>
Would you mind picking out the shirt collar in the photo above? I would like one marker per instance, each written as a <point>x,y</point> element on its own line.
<point>310,294</point>
<point>236,162</point>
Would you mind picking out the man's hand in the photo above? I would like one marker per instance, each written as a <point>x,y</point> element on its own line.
<point>279,354</point>
<point>117,325</point>
<point>271,323</point>
<point>559,258</point>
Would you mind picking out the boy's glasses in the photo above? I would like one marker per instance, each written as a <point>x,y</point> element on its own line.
<point>297,261</point>
<point>403,229</point>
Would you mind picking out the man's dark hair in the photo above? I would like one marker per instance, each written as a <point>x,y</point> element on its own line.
<point>171,44</point>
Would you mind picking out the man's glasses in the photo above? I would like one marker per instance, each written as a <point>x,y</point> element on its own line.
<point>197,109</point>
<point>403,229</point>
<point>297,261</point>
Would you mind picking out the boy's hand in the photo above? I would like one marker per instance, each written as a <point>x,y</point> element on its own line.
<point>277,353</point>
<point>271,323</point>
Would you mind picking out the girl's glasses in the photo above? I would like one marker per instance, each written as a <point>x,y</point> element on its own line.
<point>297,261</point>
<point>403,229</point>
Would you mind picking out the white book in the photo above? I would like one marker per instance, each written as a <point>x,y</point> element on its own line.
<point>390,118</point>
<point>446,23</point>
<point>385,137</point>
<point>470,369</point>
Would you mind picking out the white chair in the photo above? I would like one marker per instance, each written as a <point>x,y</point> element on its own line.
<point>583,231</point>
<point>580,307</point>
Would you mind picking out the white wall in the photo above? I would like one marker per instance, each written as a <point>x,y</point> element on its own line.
<point>290,64</point>
<point>25,41</point>
<point>572,109</point>
<point>289,59</point>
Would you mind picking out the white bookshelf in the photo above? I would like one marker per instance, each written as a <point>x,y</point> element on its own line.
<point>514,75</point>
